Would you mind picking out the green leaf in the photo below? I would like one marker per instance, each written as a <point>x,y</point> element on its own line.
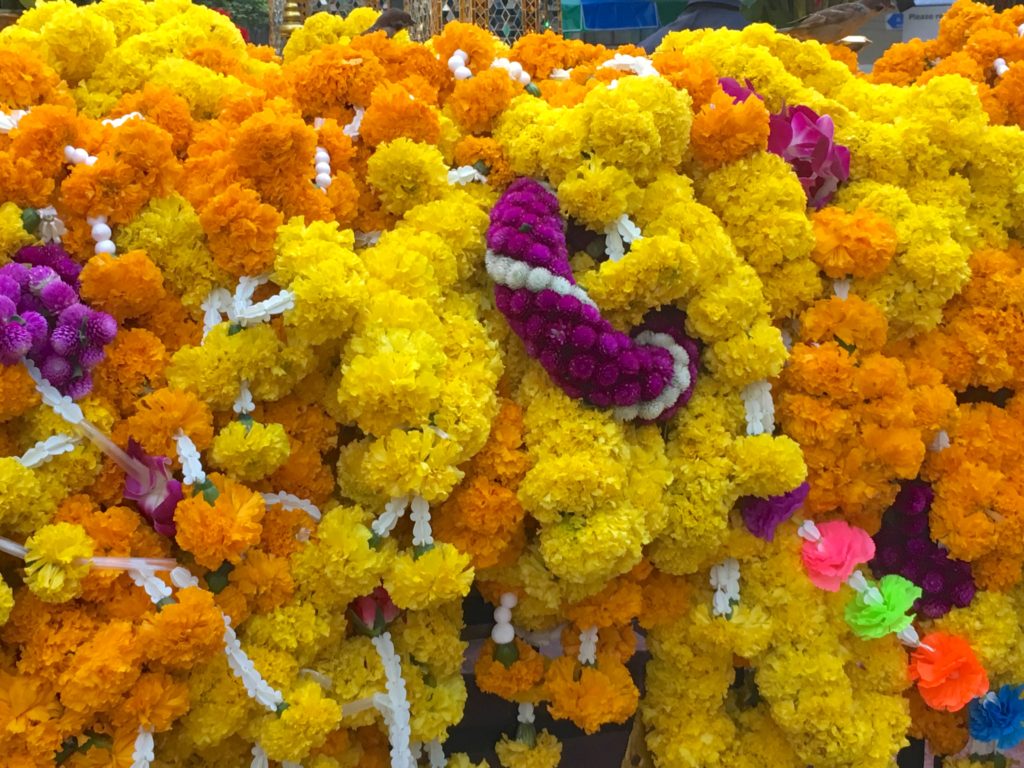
<point>30,220</point>
<point>506,654</point>
<point>218,580</point>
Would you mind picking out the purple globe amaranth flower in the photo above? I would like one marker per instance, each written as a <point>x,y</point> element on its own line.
<point>16,272</point>
<point>763,516</point>
<point>57,296</point>
<point>100,329</point>
<point>65,340</point>
<point>15,342</point>
<point>56,370</point>
<point>7,307</point>
<point>806,140</point>
<point>79,386</point>
<point>40,277</point>
<point>54,256</point>
<point>9,288</point>
<point>150,485</point>
<point>38,328</point>
<point>90,357</point>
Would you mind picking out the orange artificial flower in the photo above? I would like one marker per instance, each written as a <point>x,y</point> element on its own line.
<point>394,112</point>
<point>590,696</point>
<point>222,530</point>
<point>947,673</point>
<point>517,682</point>
<point>184,633</point>
<point>125,285</point>
<point>240,230</point>
<point>724,131</point>
<point>858,244</point>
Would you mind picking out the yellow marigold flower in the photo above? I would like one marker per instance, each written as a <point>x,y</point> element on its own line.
<point>304,725</point>
<point>12,234</point>
<point>546,752</point>
<point>6,601</point>
<point>406,174</point>
<point>53,564</point>
<point>250,452</point>
<point>437,576</point>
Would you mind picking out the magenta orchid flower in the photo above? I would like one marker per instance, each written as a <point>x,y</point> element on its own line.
<point>150,485</point>
<point>806,140</point>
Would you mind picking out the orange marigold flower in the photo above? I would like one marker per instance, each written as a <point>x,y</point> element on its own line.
<point>103,668</point>
<point>240,230</point>
<point>724,131</point>
<point>945,732</point>
<point>473,149</point>
<point>482,519</point>
<point>845,55</point>
<point>223,530</point>
<point>590,696</point>
<point>184,633</point>
<point>280,529</point>
<point>619,602</point>
<point>394,112</point>
<point>35,155</point>
<point>135,163</point>
<point>858,244</point>
<point>476,42</point>
<point>516,682</point>
<point>901,64</point>
<point>503,458</point>
<point>334,78</point>
<point>17,392</point>
<point>957,63</point>
<point>853,321</point>
<point>947,673</point>
<point>155,701</point>
<point>695,76</point>
<point>264,580</point>
<point>477,102</point>
<point>26,81</point>
<point>957,24</point>
<point>171,322</point>
<point>125,285</point>
<point>232,603</point>
<point>163,107</point>
<point>135,365</point>
<point>304,474</point>
<point>617,642</point>
<point>32,718</point>
<point>541,53</point>
<point>665,597</point>
<point>160,415</point>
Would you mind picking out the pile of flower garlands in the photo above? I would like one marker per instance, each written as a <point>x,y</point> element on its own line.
<point>718,348</point>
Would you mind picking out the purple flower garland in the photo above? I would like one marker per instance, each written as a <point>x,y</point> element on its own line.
<point>904,546</point>
<point>646,376</point>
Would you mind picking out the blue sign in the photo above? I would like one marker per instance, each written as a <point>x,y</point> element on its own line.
<point>894,21</point>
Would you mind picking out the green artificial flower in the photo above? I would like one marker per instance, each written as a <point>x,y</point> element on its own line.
<point>882,607</point>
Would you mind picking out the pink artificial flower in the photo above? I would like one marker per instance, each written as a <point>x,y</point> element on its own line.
<point>832,559</point>
<point>806,141</point>
<point>372,613</point>
<point>148,482</point>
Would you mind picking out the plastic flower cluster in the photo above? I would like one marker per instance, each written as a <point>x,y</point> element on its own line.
<point>300,349</point>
